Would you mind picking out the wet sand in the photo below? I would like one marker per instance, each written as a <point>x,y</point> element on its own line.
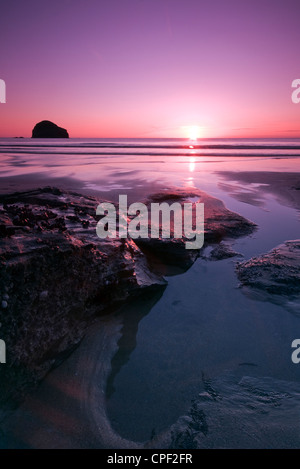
<point>139,190</point>
<point>284,186</point>
<point>67,410</point>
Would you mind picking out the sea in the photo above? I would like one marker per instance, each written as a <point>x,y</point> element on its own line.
<point>136,165</point>
<point>203,329</point>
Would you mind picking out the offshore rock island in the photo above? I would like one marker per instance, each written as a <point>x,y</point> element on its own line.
<point>47,129</point>
<point>56,275</point>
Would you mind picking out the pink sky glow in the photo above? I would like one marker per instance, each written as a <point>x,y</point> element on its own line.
<point>151,68</point>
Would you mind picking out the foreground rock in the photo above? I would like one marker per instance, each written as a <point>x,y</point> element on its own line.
<point>219,223</point>
<point>47,129</point>
<point>274,276</point>
<point>223,251</point>
<point>56,275</point>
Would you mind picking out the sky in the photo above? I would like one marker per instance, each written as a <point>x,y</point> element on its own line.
<point>151,68</point>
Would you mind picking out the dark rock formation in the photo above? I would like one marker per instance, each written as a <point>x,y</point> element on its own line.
<point>222,251</point>
<point>56,275</point>
<point>276,272</point>
<point>47,129</point>
<point>219,223</point>
<point>274,276</point>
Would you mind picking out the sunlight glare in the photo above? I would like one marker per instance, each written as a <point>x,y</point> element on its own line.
<point>194,132</point>
<point>192,165</point>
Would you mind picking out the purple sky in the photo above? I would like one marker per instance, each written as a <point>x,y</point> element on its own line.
<point>151,68</point>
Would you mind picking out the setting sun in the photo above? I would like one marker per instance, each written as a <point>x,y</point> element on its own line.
<point>193,132</point>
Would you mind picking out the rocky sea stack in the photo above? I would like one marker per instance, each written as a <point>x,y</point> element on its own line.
<point>47,129</point>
